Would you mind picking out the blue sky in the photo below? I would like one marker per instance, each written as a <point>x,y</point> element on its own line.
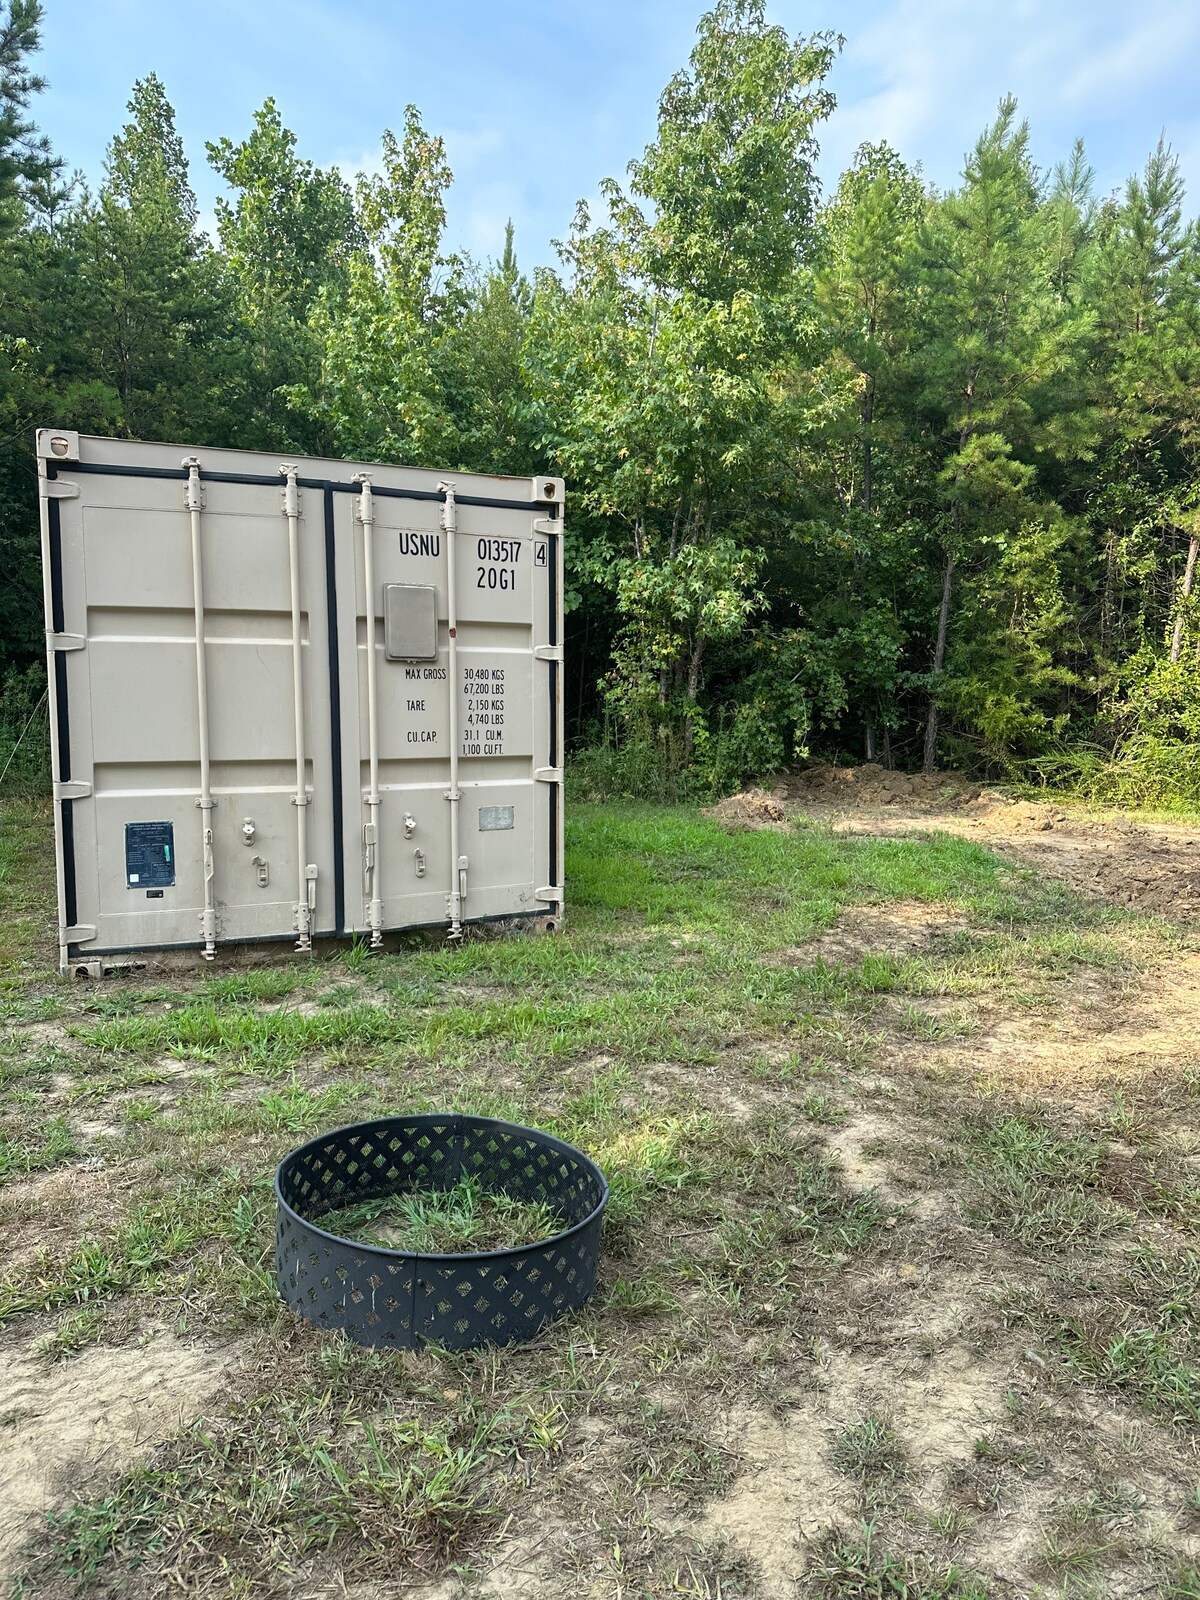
<point>538,101</point>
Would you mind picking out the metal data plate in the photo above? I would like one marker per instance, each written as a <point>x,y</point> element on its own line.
<point>496,819</point>
<point>410,622</point>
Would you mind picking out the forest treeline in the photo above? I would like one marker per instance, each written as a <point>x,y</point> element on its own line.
<point>883,473</point>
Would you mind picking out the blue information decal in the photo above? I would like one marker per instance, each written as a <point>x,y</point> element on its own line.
<point>149,855</point>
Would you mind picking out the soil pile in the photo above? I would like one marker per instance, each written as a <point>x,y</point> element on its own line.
<point>873,785</point>
<point>753,809</point>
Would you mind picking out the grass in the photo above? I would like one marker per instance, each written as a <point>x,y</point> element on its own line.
<point>27,890</point>
<point>442,1222</point>
<point>853,1568</point>
<point>1034,1184</point>
<point>868,1450</point>
<point>684,1032</point>
<point>292,1478</point>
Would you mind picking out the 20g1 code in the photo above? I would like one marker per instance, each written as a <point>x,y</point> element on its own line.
<point>496,578</point>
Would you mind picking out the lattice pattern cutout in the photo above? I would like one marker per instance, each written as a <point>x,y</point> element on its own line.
<point>384,1297</point>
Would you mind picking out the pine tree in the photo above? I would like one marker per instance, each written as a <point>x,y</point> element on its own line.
<point>152,289</point>
<point>994,342</point>
<point>26,164</point>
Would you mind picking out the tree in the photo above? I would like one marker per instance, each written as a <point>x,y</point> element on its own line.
<point>28,174</point>
<point>146,161</point>
<point>997,348</point>
<point>287,237</point>
<point>150,288</point>
<point>26,163</point>
<point>378,392</point>
<point>865,290</point>
<point>866,281</point>
<point>481,368</point>
<point>662,354</point>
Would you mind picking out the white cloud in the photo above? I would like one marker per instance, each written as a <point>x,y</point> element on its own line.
<point>927,77</point>
<point>1133,60</point>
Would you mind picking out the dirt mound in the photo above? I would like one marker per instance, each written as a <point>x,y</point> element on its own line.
<point>1150,869</point>
<point>873,785</point>
<point>753,809</point>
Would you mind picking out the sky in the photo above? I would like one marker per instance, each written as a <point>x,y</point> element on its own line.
<point>538,100</point>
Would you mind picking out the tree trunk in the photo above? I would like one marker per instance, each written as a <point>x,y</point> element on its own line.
<point>939,657</point>
<point>693,681</point>
<point>693,690</point>
<point>868,417</point>
<point>1189,574</point>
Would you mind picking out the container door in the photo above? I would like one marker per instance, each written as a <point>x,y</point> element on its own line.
<point>119,567</point>
<point>506,701</point>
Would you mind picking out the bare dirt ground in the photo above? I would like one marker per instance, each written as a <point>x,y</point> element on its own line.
<point>107,1409</point>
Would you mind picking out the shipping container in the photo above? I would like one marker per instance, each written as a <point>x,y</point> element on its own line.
<point>295,699</point>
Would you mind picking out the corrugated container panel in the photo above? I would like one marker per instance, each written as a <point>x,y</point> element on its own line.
<point>279,712</point>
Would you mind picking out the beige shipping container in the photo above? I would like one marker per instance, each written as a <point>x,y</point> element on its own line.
<point>294,699</point>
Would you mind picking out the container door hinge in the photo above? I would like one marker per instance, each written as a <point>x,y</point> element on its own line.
<point>80,933</point>
<point>58,489</point>
<point>548,774</point>
<point>73,789</point>
<point>548,652</point>
<point>553,897</point>
<point>66,641</point>
<point>545,525</point>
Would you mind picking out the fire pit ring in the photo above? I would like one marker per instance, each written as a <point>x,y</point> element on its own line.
<point>401,1299</point>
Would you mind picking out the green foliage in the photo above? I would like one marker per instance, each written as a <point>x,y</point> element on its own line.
<point>24,730</point>
<point>465,1217</point>
<point>287,236</point>
<point>27,169</point>
<point>897,472</point>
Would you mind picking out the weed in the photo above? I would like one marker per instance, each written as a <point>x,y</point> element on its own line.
<point>281,1478</point>
<point>465,1217</point>
<point>1033,1184</point>
<point>819,1108</point>
<point>638,1297</point>
<point>73,1332</point>
<point>951,1522</point>
<point>1145,1362</point>
<point>868,1450</point>
<point>21,1155</point>
<point>849,1568</point>
<point>358,953</point>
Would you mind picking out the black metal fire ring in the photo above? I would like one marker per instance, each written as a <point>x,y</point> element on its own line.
<point>395,1298</point>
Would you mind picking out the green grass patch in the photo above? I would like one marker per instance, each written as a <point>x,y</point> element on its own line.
<point>1032,1184</point>
<point>465,1217</point>
<point>854,1568</point>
